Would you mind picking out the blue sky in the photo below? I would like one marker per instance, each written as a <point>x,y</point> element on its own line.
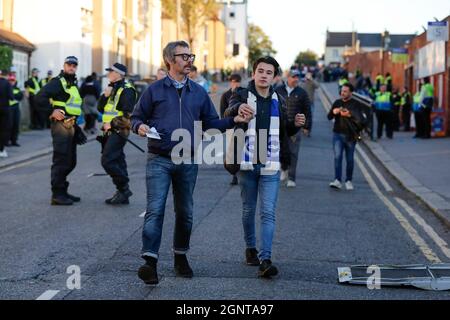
<point>297,25</point>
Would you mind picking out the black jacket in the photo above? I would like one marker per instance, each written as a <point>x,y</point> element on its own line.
<point>297,102</point>
<point>6,93</point>
<point>287,127</point>
<point>54,90</point>
<point>127,99</point>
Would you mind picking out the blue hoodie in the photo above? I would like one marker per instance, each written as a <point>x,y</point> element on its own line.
<point>162,108</point>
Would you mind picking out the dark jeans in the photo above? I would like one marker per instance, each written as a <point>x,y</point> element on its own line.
<point>406,118</point>
<point>37,116</point>
<point>114,162</point>
<point>90,121</point>
<point>294,147</point>
<point>385,119</point>
<point>426,123</point>
<point>341,144</point>
<point>161,173</point>
<point>64,157</point>
<point>15,123</point>
<point>4,127</point>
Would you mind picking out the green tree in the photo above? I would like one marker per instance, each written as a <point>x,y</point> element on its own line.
<point>194,14</point>
<point>308,58</point>
<point>6,57</point>
<point>259,44</point>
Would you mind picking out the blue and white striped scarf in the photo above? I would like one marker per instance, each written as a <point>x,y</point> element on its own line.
<point>249,156</point>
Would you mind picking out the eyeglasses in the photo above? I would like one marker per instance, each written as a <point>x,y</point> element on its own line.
<point>186,57</point>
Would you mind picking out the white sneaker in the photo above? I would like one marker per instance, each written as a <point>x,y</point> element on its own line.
<point>284,175</point>
<point>4,154</point>
<point>336,184</point>
<point>349,186</point>
<point>291,184</point>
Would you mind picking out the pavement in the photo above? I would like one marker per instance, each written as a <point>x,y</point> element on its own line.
<point>318,230</point>
<point>421,166</point>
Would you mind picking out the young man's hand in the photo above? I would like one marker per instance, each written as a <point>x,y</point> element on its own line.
<point>242,119</point>
<point>346,113</point>
<point>57,115</point>
<point>143,130</point>
<point>300,120</point>
<point>106,127</point>
<point>336,111</point>
<point>246,111</point>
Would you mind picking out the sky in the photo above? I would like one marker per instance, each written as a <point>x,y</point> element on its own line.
<point>298,25</point>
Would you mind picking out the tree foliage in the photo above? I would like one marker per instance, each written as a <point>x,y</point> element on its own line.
<point>6,57</point>
<point>308,58</point>
<point>194,14</point>
<point>259,44</point>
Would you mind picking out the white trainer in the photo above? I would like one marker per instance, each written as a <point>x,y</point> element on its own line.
<point>291,184</point>
<point>349,186</point>
<point>4,154</point>
<point>336,184</point>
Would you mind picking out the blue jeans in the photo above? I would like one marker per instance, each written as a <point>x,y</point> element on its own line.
<point>341,144</point>
<point>161,173</point>
<point>267,186</point>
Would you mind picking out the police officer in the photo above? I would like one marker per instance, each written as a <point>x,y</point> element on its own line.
<point>14,112</point>
<point>116,104</point>
<point>48,79</point>
<point>397,101</point>
<point>418,114</point>
<point>385,112</point>
<point>66,103</point>
<point>427,97</point>
<point>33,87</point>
<point>405,104</point>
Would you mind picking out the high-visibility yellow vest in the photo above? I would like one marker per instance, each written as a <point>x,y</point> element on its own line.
<point>343,81</point>
<point>36,88</point>
<point>73,105</point>
<point>417,103</point>
<point>45,81</point>
<point>405,98</point>
<point>383,101</point>
<point>111,111</point>
<point>429,90</point>
<point>380,79</point>
<point>14,102</point>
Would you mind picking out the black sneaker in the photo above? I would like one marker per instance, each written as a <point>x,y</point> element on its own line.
<point>148,272</point>
<point>251,256</point>
<point>61,200</point>
<point>120,198</point>
<point>73,198</point>
<point>182,268</point>
<point>267,269</point>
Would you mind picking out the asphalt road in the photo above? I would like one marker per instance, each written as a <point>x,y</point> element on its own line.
<point>318,230</point>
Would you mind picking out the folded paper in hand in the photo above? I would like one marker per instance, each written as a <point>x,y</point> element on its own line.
<point>153,134</point>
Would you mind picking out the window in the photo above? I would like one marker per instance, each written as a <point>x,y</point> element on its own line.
<point>335,53</point>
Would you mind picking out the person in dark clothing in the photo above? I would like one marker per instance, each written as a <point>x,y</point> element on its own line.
<point>406,108</point>
<point>15,112</point>
<point>168,105</point>
<point>90,94</point>
<point>116,104</point>
<point>349,121</point>
<point>397,101</point>
<point>66,134</point>
<point>297,102</point>
<point>6,95</point>
<point>235,85</point>
<point>37,117</point>
<point>265,150</point>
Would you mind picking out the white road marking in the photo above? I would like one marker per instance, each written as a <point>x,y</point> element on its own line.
<point>48,295</point>
<point>426,227</point>
<point>377,173</point>
<point>23,164</point>
<point>413,234</point>
<point>142,215</point>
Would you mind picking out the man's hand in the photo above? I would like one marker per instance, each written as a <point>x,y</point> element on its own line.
<point>57,115</point>
<point>345,113</point>
<point>241,119</point>
<point>300,120</point>
<point>106,127</point>
<point>336,111</point>
<point>143,130</point>
<point>108,92</point>
<point>245,111</point>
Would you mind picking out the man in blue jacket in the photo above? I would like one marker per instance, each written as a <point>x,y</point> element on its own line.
<point>170,104</point>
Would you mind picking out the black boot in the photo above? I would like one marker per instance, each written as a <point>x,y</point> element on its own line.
<point>267,269</point>
<point>61,200</point>
<point>121,197</point>
<point>251,256</point>
<point>148,272</point>
<point>182,268</point>
<point>72,197</point>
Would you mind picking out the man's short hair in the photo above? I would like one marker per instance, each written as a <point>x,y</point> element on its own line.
<point>236,78</point>
<point>268,60</point>
<point>169,51</point>
<point>350,86</point>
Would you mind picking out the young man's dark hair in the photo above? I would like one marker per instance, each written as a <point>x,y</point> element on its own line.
<point>236,78</point>
<point>268,60</point>
<point>349,86</point>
